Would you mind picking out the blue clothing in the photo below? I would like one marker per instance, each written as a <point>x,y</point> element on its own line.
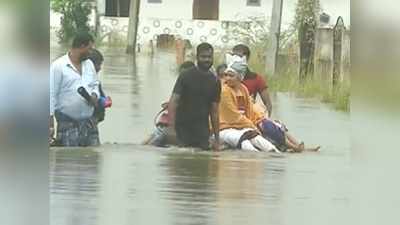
<point>159,136</point>
<point>274,133</point>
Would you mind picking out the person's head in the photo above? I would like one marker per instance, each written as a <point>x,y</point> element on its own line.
<point>82,44</point>
<point>205,56</point>
<point>241,50</point>
<point>220,70</point>
<point>185,66</point>
<point>97,58</point>
<point>235,71</point>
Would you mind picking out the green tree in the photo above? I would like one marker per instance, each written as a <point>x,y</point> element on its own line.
<point>254,31</point>
<point>74,17</point>
<point>305,23</point>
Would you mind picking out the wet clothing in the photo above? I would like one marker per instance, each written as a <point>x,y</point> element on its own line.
<point>193,135</point>
<point>258,143</point>
<point>159,136</point>
<point>197,90</point>
<point>234,137</point>
<point>254,83</point>
<point>64,83</point>
<point>76,125</point>
<point>73,133</point>
<point>237,112</point>
<point>247,139</point>
<point>237,121</point>
<point>274,132</point>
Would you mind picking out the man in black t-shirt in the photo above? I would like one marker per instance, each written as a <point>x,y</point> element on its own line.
<point>194,100</point>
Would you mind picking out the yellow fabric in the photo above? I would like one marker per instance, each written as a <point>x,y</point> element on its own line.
<point>259,107</point>
<point>229,115</point>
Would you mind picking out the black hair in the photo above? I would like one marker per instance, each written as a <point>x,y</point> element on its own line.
<point>219,67</point>
<point>186,65</point>
<point>242,48</point>
<point>203,47</point>
<point>96,57</point>
<point>82,39</point>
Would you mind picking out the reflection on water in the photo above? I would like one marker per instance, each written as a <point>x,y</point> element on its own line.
<point>127,183</point>
<point>137,88</point>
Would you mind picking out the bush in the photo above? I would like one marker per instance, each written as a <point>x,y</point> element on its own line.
<point>338,96</point>
<point>74,17</point>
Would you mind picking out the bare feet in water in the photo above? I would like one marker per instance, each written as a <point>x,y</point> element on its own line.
<point>299,148</point>
<point>314,149</point>
<point>302,148</point>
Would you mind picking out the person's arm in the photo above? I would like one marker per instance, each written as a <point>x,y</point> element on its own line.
<point>173,103</point>
<point>55,84</point>
<point>174,100</point>
<point>51,129</point>
<point>214,114</point>
<point>264,94</point>
<point>94,85</point>
<point>94,99</point>
<point>215,124</point>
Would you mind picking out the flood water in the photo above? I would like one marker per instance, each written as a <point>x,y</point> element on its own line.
<point>123,183</point>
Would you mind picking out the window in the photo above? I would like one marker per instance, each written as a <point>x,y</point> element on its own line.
<point>253,2</point>
<point>118,8</point>
<point>205,9</point>
<point>153,1</point>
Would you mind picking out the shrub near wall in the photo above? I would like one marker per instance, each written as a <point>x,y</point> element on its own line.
<point>74,17</point>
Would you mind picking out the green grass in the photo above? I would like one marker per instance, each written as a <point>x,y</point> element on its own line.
<point>338,96</point>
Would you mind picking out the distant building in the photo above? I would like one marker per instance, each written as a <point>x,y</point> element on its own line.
<point>195,20</point>
<point>222,10</point>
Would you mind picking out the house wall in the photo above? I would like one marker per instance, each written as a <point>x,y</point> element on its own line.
<point>101,6</point>
<point>196,31</point>
<point>175,17</point>
<point>234,10</point>
<point>168,9</point>
<point>229,10</point>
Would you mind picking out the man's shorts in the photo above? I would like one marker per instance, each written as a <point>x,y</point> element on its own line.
<point>76,133</point>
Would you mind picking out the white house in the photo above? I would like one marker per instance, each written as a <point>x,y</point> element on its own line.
<point>223,10</point>
<point>196,20</point>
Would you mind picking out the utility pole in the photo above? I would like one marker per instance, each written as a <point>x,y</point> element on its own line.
<point>100,10</point>
<point>275,31</point>
<point>133,25</point>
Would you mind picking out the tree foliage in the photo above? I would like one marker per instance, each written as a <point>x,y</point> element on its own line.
<point>255,32</point>
<point>307,12</point>
<point>74,17</point>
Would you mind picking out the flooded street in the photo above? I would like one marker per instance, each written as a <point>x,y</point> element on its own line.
<point>124,183</point>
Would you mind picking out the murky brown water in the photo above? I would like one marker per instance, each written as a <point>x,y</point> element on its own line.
<point>126,183</point>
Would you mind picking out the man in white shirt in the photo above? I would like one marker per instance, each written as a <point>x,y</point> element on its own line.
<point>76,125</point>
